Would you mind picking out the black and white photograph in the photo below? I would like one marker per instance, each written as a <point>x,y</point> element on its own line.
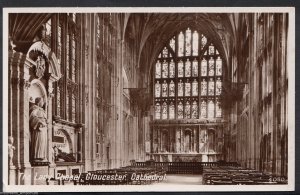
<point>149,99</point>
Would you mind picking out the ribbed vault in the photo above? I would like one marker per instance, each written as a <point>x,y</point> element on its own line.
<point>153,30</point>
<point>23,26</point>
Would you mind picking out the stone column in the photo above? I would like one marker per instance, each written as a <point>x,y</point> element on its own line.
<point>79,145</point>
<point>49,123</point>
<point>195,140</point>
<point>20,117</point>
<point>13,118</point>
<point>181,140</point>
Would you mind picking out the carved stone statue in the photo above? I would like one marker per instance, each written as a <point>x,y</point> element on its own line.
<point>40,66</point>
<point>38,128</point>
<point>11,149</point>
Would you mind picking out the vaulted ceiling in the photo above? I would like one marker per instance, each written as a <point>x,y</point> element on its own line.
<point>149,31</point>
<point>153,30</point>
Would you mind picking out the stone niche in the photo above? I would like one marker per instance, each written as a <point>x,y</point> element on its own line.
<point>33,73</point>
<point>44,73</point>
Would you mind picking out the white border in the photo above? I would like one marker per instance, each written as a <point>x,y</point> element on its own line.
<point>167,187</point>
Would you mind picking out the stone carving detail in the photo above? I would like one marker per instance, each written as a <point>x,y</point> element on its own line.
<point>40,66</point>
<point>24,83</point>
<point>41,62</point>
<point>11,149</point>
<point>38,128</point>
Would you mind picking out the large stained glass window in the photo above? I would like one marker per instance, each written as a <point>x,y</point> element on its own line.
<point>188,77</point>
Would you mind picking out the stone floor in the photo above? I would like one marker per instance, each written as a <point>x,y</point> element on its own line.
<point>181,179</point>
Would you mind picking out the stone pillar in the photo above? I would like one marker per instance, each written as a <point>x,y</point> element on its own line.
<point>195,140</point>
<point>49,123</point>
<point>20,171</point>
<point>159,140</point>
<point>79,146</point>
<point>181,140</point>
<point>177,143</point>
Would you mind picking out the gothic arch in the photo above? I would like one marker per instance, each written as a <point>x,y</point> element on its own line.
<point>53,69</point>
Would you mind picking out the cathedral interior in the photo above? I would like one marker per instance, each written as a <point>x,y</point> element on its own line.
<point>102,91</point>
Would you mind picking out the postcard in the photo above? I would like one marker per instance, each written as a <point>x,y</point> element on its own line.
<point>149,99</point>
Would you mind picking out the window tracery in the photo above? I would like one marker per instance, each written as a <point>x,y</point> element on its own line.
<point>188,85</point>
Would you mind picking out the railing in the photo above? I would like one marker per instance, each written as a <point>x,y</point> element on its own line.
<point>184,167</point>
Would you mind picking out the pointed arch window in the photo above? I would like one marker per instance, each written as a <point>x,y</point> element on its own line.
<point>188,77</point>
<point>195,43</point>
<point>180,44</point>
<point>165,53</point>
<point>188,40</point>
<point>203,41</point>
